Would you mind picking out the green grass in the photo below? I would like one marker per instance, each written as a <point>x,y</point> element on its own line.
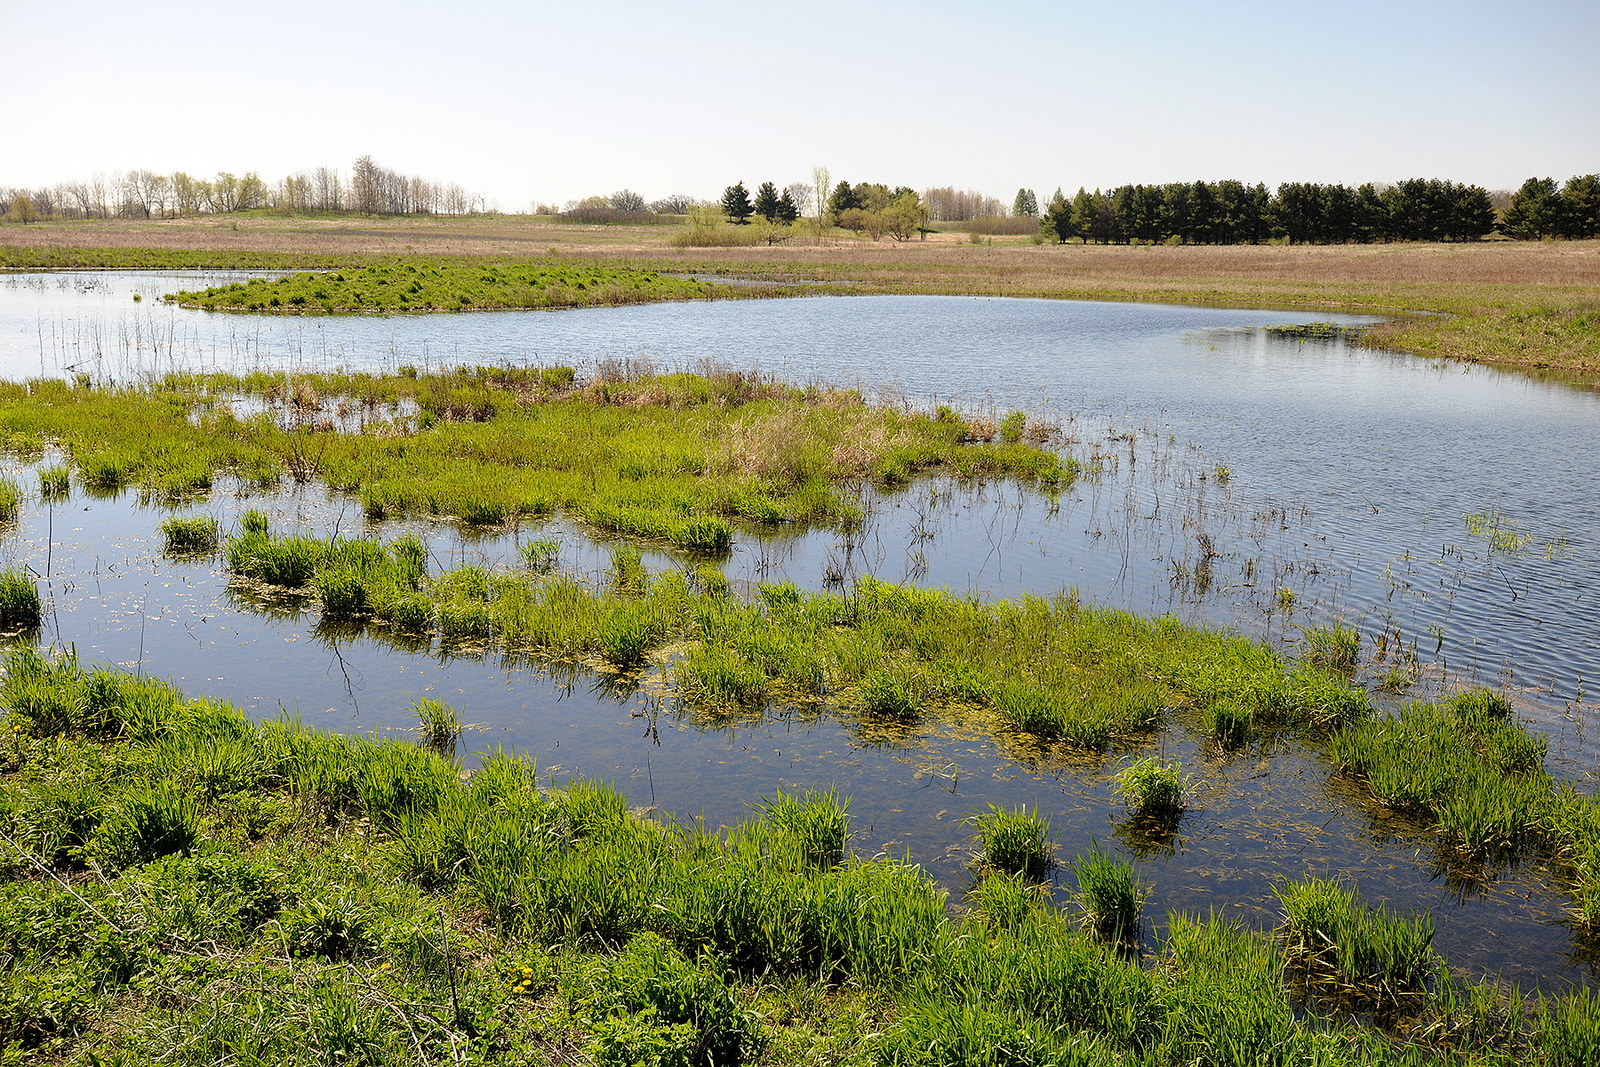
<point>10,500</point>
<point>19,599</point>
<point>188,886</point>
<point>1153,789</point>
<point>679,459</point>
<point>422,285</point>
<point>436,722</point>
<point>1333,646</point>
<point>1013,841</point>
<point>1339,945</point>
<point>54,481</point>
<point>187,536</point>
<point>1109,895</point>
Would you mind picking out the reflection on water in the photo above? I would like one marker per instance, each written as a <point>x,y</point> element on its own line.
<point>1234,479</point>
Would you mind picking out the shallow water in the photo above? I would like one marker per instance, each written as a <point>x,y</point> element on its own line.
<point>1349,478</point>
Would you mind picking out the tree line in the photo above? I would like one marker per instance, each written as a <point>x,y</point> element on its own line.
<point>1230,212</point>
<point>370,189</point>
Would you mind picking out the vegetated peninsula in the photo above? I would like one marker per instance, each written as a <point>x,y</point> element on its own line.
<point>426,285</point>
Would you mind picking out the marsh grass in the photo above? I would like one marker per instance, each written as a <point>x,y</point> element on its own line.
<point>1153,789</point>
<point>192,535</point>
<point>1332,646</point>
<point>19,599</point>
<point>54,481</point>
<point>1013,841</point>
<point>10,500</point>
<point>677,458</point>
<point>1229,723</point>
<point>294,893</point>
<point>1109,895</point>
<point>436,722</point>
<point>1341,947</point>
<point>542,554</point>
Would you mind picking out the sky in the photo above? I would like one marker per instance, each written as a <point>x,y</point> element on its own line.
<point>536,102</point>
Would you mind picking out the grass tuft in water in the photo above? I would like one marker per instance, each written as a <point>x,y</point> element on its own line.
<point>1014,841</point>
<point>189,536</point>
<point>543,554</point>
<point>1229,723</point>
<point>436,722</point>
<point>817,822</point>
<point>1153,789</point>
<point>1340,945</point>
<point>1332,646</point>
<point>55,481</point>
<point>10,500</point>
<point>19,598</point>
<point>1109,895</point>
<point>253,521</point>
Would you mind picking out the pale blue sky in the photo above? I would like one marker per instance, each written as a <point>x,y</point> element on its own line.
<point>553,102</point>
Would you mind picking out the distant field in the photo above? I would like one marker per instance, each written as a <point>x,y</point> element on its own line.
<point>1531,305</point>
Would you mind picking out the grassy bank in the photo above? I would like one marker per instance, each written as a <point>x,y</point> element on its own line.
<point>407,285</point>
<point>1519,304</point>
<point>184,886</point>
<point>675,458</point>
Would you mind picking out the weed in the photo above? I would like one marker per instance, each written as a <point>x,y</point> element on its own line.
<point>543,554</point>
<point>818,823</point>
<point>1229,723</point>
<point>1333,647</point>
<point>1335,939</point>
<point>55,481</point>
<point>436,722</point>
<point>10,500</point>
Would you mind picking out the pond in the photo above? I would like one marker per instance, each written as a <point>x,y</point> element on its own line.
<point>1239,476</point>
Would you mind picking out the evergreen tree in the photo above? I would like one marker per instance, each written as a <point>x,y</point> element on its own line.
<point>1082,215</point>
<point>1580,207</point>
<point>787,210</point>
<point>767,202</point>
<point>1026,205</point>
<point>1535,211</point>
<point>843,199</point>
<point>736,203</point>
<point>1057,220</point>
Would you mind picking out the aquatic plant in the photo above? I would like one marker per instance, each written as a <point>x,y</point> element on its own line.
<point>1109,895</point>
<point>436,722</point>
<point>1013,841</point>
<point>1332,937</point>
<point>10,500</point>
<point>19,598</point>
<point>54,481</point>
<point>1153,789</point>
<point>1332,646</point>
<point>1229,723</point>
<point>189,535</point>
<point>818,823</point>
<point>542,554</point>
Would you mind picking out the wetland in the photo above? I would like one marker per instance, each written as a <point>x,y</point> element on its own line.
<point>729,563</point>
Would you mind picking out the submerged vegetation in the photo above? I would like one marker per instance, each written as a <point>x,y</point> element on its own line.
<point>677,458</point>
<point>410,285</point>
<point>279,894</point>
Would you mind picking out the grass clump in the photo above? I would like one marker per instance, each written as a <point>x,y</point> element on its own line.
<point>1229,723</point>
<point>416,285</point>
<point>817,823</point>
<point>189,536</point>
<point>1333,646</point>
<point>55,481</point>
<point>10,500</point>
<point>19,598</point>
<point>1013,841</point>
<point>1339,944</point>
<point>436,722</point>
<point>543,554</point>
<point>1109,895</point>
<point>1153,789</point>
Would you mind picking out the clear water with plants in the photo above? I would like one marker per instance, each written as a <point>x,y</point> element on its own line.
<point>1356,516</point>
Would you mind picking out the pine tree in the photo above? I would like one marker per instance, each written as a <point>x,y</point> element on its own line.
<point>767,201</point>
<point>736,203</point>
<point>1534,211</point>
<point>1026,205</point>
<point>787,209</point>
<point>1057,221</point>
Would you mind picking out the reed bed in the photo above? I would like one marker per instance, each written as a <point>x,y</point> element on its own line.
<point>185,884</point>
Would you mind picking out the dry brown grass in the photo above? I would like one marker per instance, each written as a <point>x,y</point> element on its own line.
<point>1525,304</point>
